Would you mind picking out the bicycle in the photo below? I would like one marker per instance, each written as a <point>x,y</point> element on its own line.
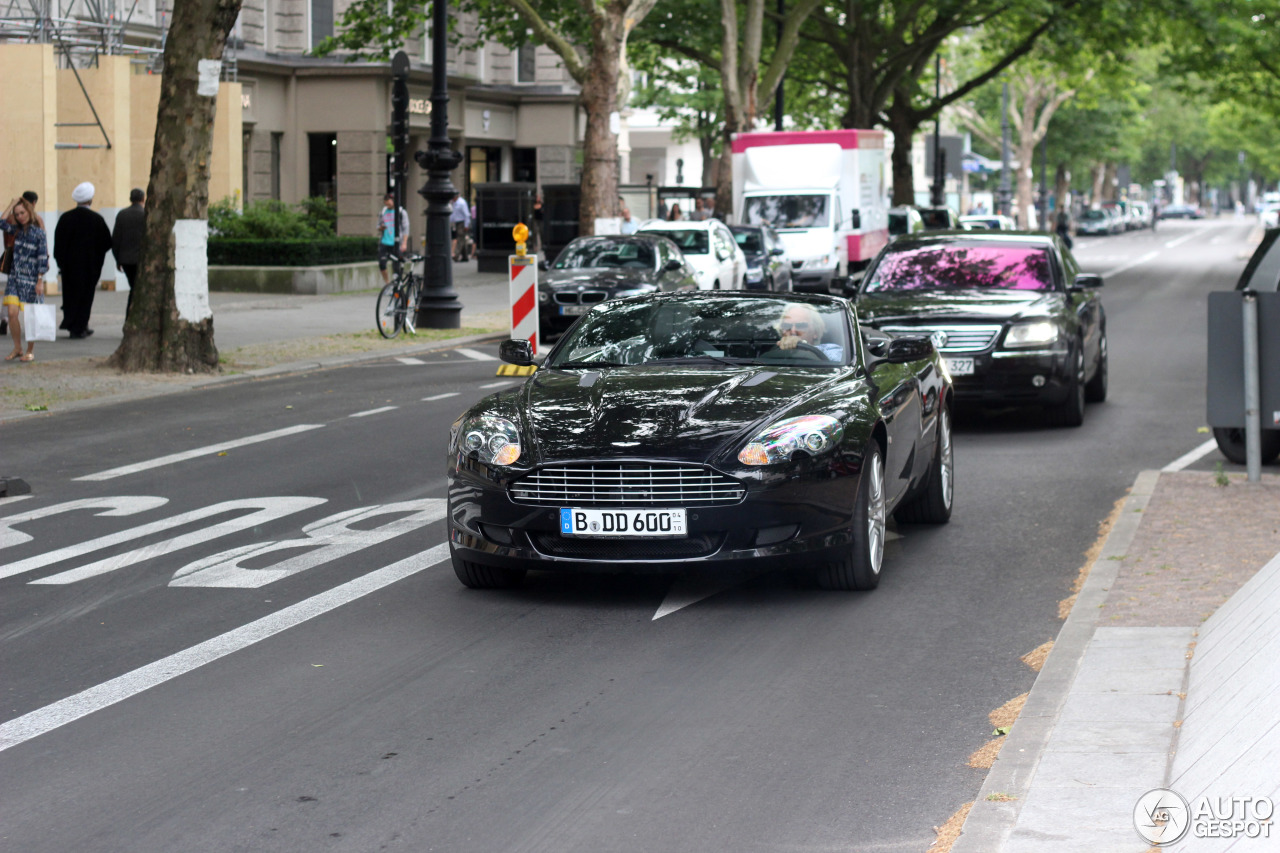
<point>397,306</point>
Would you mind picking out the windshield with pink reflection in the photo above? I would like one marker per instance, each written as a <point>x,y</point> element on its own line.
<point>962,267</point>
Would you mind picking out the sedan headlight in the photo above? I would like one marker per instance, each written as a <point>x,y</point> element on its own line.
<point>813,434</point>
<point>492,440</point>
<point>818,263</point>
<point>755,274</point>
<point>1031,334</point>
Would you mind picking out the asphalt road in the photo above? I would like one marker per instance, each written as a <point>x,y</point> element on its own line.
<point>355,697</point>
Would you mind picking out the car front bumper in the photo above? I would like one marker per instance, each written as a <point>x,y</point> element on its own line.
<point>786,520</point>
<point>1010,377</point>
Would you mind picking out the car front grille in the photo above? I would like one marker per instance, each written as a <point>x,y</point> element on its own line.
<point>586,297</point>
<point>555,545</point>
<point>960,337</point>
<point>590,484</point>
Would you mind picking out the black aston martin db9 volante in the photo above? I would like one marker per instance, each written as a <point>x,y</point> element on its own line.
<point>1016,320</point>
<point>594,269</point>
<point>715,428</point>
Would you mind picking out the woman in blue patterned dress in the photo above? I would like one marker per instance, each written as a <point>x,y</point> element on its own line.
<point>26,275</point>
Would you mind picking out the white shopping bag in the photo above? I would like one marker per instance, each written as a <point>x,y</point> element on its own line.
<point>39,321</point>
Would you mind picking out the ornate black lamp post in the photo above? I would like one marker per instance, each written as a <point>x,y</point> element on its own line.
<point>439,307</point>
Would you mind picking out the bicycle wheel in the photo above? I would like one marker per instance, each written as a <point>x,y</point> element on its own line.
<point>389,315</point>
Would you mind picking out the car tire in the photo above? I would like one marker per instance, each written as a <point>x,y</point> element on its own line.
<point>478,576</point>
<point>933,504</point>
<point>1096,390</point>
<point>1070,412</point>
<point>716,286</point>
<point>1231,443</point>
<point>859,569</point>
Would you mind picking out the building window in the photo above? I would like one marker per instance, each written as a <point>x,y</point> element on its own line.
<point>323,165</point>
<point>277,141</point>
<point>526,63</point>
<point>484,164</point>
<point>321,21</point>
<point>524,165</point>
<point>246,166</point>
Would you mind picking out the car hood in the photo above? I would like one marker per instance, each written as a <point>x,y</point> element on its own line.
<point>977,305</point>
<point>597,279</point>
<point>809,243</point>
<point>683,413</point>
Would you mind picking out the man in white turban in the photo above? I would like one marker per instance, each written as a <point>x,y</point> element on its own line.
<point>80,244</point>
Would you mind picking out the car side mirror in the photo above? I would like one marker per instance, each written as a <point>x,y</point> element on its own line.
<point>903,350</point>
<point>519,352</point>
<point>673,265</point>
<point>1087,281</point>
<point>776,252</point>
<point>543,265</point>
<point>855,218</point>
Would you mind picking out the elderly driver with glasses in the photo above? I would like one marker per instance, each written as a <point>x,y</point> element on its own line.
<point>802,324</point>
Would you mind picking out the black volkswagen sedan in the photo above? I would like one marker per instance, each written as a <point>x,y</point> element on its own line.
<point>591,270</point>
<point>712,428</point>
<point>768,266</point>
<point>1016,320</point>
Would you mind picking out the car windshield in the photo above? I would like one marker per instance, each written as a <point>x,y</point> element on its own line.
<point>935,217</point>
<point>693,241</point>
<point>1093,215</point>
<point>606,254</point>
<point>788,211</point>
<point>962,266</point>
<point>750,241</point>
<point>710,330</point>
<point>899,223</point>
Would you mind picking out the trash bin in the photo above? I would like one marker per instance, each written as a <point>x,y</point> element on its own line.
<point>499,207</point>
<point>560,206</point>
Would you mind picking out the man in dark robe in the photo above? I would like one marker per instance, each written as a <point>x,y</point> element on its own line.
<point>81,241</point>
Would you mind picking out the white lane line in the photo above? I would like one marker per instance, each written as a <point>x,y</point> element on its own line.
<point>476,354</point>
<point>198,452</point>
<point>68,710</point>
<point>405,359</point>
<point>441,396</point>
<point>15,499</point>
<point>1142,260</point>
<point>693,587</point>
<point>366,414</point>
<point>1184,238</point>
<point>502,384</point>
<point>1191,458</point>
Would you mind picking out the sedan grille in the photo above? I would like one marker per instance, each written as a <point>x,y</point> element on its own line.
<point>586,297</point>
<point>627,484</point>
<point>960,338</point>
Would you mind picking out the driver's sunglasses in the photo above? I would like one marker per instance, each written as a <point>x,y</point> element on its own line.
<point>799,327</point>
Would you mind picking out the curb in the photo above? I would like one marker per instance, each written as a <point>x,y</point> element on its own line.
<point>989,823</point>
<point>289,368</point>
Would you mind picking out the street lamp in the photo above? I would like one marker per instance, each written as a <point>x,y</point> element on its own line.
<point>438,307</point>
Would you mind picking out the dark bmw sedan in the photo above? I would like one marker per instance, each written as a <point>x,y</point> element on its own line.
<point>717,429</point>
<point>768,266</point>
<point>591,270</point>
<point>1016,320</point>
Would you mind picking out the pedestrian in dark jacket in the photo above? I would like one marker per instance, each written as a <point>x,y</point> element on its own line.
<point>81,241</point>
<point>126,240</point>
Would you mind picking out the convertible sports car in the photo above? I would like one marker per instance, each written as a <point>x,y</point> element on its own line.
<point>1016,320</point>
<point>710,427</point>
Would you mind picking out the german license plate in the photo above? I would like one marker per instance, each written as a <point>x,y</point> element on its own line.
<point>624,523</point>
<point>573,310</point>
<point>959,366</point>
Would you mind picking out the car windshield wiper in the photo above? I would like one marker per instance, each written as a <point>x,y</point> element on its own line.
<point>574,365</point>
<point>701,356</point>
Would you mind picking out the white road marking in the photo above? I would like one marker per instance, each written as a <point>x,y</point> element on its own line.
<point>366,414</point>
<point>329,539</point>
<point>440,396</point>
<point>1142,260</point>
<point>501,384</point>
<point>113,507</point>
<point>198,452</point>
<point>15,499</point>
<point>1191,458</point>
<point>1184,238</point>
<point>695,586</point>
<point>405,359</point>
<point>42,720</point>
<point>268,510</point>
<point>476,354</point>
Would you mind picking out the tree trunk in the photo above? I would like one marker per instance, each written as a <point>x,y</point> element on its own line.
<point>600,144</point>
<point>170,326</point>
<point>1026,181</point>
<point>902,125</point>
<point>1062,189</point>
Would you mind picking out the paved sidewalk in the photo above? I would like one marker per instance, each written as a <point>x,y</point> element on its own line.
<point>1104,723</point>
<point>256,335</point>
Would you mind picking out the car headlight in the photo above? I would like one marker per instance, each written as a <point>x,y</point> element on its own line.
<point>1031,334</point>
<point>756,274</point>
<point>813,434</point>
<point>818,263</point>
<point>491,439</point>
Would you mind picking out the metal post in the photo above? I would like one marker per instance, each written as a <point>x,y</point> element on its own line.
<point>1252,403</point>
<point>1044,184</point>
<point>777,100</point>
<point>1005,155</point>
<point>399,138</point>
<point>937,198</point>
<point>438,307</point>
